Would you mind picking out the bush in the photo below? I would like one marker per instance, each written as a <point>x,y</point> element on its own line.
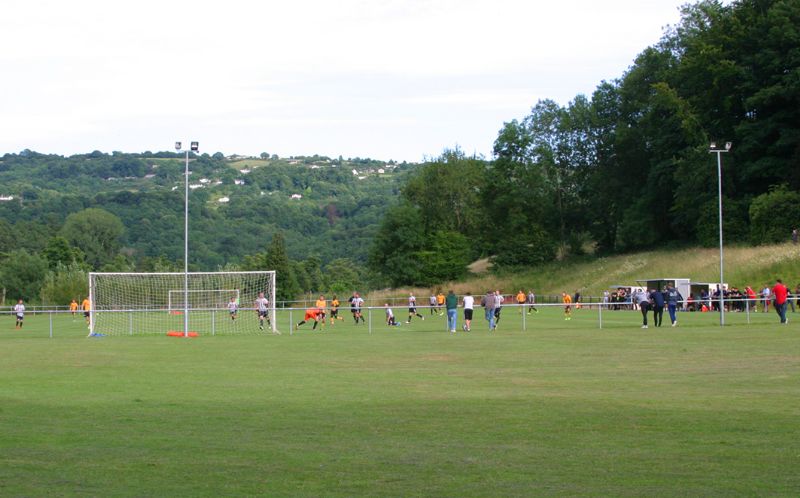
<point>773,215</point>
<point>64,284</point>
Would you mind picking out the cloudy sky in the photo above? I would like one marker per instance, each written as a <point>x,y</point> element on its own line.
<point>387,79</point>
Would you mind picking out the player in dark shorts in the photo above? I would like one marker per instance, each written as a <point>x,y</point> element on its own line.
<point>334,309</point>
<point>412,308</point>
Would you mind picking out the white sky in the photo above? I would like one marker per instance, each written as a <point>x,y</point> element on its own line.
<point>387,79</point>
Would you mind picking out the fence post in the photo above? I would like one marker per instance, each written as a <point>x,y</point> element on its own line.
<point>369,319</point>
<point>51,324</point>
<point>291,323</point>
<point>600,313</point>
<point>524,323</point>
<point>747,305</point>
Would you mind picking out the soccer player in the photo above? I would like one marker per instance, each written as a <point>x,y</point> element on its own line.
<point>567,300</point>
<point>412,308</point>
<point>673,298</point>
<point>19,309</point>
<point>355,307</point>
<point>390,320</point>
<point>233,308</point>
<point>322,305</point>
<point>73,307</point>
<point>262,308</point>
<point>311,314</point>
<point>521,299</point>
<point>86,305</point>
<point>432,301</point>
<point>469,304</point>
<point>532,302</point>
<point>439,303</point>
<point>335,309</point>
<point>498,306</point>
<point>353,310</point>
<point>780,292</point>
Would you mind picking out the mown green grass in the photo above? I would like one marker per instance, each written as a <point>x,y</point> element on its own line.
<point>564,408</point>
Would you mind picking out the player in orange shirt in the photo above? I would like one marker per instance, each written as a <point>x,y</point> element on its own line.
<point>311,314</point>
<point>567,300</point>
<point>439,302</point>
<point>521,298</point>
<point>73,307</point>
<point>322,305</point>
<point>87,308</point>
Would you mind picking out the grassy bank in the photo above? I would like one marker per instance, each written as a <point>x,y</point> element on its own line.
<point>753,266</point>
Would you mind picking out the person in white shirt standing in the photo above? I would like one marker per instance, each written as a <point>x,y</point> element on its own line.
<point>233,308</point>
<point>19,309</point>
<point>262,307</point>
<point>469,304</point>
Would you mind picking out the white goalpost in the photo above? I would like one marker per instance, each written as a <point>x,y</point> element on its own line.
<point>154,303</point>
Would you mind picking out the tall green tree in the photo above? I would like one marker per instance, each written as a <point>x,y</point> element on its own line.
<point>22,275</point>
<point>96,232</point>
<point>59,252</point>
<point>277,260</point>
<point>64,283</point>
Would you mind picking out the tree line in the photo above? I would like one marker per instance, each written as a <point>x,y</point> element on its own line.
<point>629,166</point>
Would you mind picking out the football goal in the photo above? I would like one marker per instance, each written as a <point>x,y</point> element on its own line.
<point>156,303</point>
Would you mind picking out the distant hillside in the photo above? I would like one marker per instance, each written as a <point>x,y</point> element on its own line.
<point>326,207</point>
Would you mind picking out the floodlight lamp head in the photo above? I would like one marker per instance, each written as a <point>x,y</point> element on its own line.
<point>195,146</point>
<point>728,145</point>
<point>713,145</point>
<point>177,146</point>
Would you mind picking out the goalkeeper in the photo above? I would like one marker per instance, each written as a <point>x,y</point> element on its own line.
<point>311,314</point>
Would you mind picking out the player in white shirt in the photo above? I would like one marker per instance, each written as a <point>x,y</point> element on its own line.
<point>262,308</point>
<point>19,309</point>
<point>358,302</point>
<point>469,304</point>
<point>390,320</point>
<point>498,306</point>
<point>412,308</point>
<point>233,308</point>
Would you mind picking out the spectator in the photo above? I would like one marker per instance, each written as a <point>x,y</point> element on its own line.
<point>451,305</point>
<point>487,302</point>
<point>780,292</point>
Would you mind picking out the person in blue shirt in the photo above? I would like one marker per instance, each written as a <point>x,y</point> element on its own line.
<point>673,299</point>
<point>657,298</point>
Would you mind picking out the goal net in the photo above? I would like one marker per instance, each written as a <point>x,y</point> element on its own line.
<point>201,299</point>
<point>158,303</point>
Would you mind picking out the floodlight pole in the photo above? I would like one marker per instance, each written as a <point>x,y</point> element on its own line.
<point>718,151</point>
<point>194,146</point>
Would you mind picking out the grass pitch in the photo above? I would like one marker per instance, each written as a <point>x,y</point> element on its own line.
<point>561,409</point>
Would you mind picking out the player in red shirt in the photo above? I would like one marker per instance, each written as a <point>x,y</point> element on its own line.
<point>780,292</point>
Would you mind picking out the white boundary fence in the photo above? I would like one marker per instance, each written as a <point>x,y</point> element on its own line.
<point>603,309</point>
